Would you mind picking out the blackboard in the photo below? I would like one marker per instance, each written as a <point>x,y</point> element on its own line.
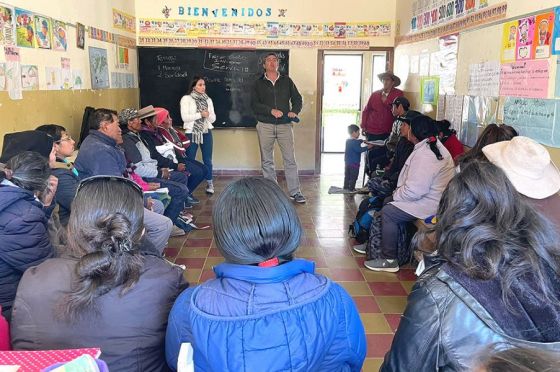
<point>165,74</point>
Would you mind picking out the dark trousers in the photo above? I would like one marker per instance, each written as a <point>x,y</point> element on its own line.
<point>351,176</point>
<point>376,155</point>
<point>391,218</point>
<point>178,191</point>
<point>376,137</point>
<point>198,172</point>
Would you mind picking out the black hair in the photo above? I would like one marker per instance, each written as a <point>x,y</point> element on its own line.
<point>54,130</point>
<point>29,170</point>
<point>493,133</point>
<point>194,80</point>
<point>254,221</point>
<point>352,128</point>
<point>99,116</point>
<point>423,127</point>
<point>444,126</point>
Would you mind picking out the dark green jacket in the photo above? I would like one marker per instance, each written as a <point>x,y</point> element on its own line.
<point>283,96</point>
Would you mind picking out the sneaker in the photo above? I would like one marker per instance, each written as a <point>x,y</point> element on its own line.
<point>210,189</point>
<point>298,197</point>
<point>192,200</point>
<point>177,231</point>
<point>381,264</point>
<point>183,224</point>
<point>360,248</point>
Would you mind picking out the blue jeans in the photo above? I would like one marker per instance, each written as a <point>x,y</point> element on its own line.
<point>178,190</point>
<point>198,172</point>
<point>206,148</point>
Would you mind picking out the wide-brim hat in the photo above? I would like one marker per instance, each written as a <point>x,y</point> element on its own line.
<point>390,75</point>
<point>527,164</point>
<point>146,112</point>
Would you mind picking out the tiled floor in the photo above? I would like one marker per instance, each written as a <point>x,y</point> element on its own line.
<point>380,297</point>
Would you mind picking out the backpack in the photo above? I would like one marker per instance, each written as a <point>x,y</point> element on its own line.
<point>359,229</point>
<point>373,247</point>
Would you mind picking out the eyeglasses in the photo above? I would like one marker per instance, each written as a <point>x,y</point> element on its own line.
<point>127,181</point>
<point>67,138</point>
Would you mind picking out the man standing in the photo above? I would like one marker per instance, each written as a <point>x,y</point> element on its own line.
<point>276,103</point>
<point>377,118</point>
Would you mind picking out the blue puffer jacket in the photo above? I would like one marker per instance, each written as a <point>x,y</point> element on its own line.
<point>100,155</point>
<point>24,241</point>
<point>282,318</point>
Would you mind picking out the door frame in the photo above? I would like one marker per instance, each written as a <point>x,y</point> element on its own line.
<point>319,106</point>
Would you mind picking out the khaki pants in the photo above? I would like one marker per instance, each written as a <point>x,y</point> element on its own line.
<point>284,134</point>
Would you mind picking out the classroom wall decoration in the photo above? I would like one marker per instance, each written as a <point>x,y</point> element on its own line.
<point>556,32</point>
<point>535,118</point>
<point>427,14</point>
<point>43,32</point>
<point>60,41</point>
<point>13,71</point>
<point>7,25</point>
<point>29,77</point>
<point>527,79</point>
<point>98,68</point>
<point>25,28</point>
<point>80,35</point>
<point>429,90</point>
<point>544,24</point>
<point>124,21</point>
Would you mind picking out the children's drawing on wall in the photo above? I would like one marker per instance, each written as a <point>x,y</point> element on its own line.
<point>80,35</point>
<point>59,36</point>
<point>43,27</point>
<point>53,78</point>
<point>98,68</point>
<point>543,34</point>
<point>525,35</point>
<point>556,32</point>
<point>65,73</point>
<point>509,40</point>
<point>78,78</point>
<point>25,29</point>
<point>29,77</point>
<point>429,90</point>
<point>2,76</point>
<point>7,26</point>
<point>13,71</point>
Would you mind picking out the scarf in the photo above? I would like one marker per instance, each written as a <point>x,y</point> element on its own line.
<point>200,125</point>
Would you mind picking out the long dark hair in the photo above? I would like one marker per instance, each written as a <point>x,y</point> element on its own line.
<point>486,230</point>
<point>423,127</point>
<point>254,221</point>
<point>28,170</point>
<point>104,229</point>
<point>194,80</point>
<point>491,134</point>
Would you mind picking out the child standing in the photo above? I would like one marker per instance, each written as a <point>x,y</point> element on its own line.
<point>352,157</point>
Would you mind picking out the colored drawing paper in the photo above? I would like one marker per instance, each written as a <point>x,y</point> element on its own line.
<point>484,79</point>
<point>65,73</point>
<point>29,77</point>
<point>534,118</point>
<point>43,32</point>
<point>544,24</point>
<point>25,28</point>
<point>98,68</point>
<point>556,33</point>
<point>53,76</point>
<point>13,72</point>
<point>509,40</point>
<point>7,25</point>
<point>528,79</point>
<point>60,41</point>
<point>78,78</point>
<point>525,36</point>
<point>429,90</point>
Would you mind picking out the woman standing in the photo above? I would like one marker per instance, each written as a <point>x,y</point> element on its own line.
<point>197,112</point>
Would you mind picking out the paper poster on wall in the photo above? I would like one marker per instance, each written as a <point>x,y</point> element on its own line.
<point>424,64</point>
<point>53,76</point>
<point>7,25</point>
<point>429,90</point>
<point>414,60</point>
<point>60,41</point>
<point>528,79</point>
<point>2,76</point>
<point>25,28</point>
<point>13,71</point>
<point>509,39</point>
<point>556,32</point>
<point>557,82</point>
<point>440,113</point>
<point>435,64</point>
<point>43,31</point>
<point>534,118</point>
<point>80,35</point>
<point>484,79</point>
<point>454,111</point>
<point>78,79</point>
<point>477,113</point>
<point>98,68</point>
<point>525,36</point>
<point>543,34</point>
<point>448,46</point>
<point>29,77</point>
<point>65,73</point>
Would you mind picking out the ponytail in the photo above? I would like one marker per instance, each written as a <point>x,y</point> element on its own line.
<point>432,141</point>
<point>424,128</point>
<point>113,260</point>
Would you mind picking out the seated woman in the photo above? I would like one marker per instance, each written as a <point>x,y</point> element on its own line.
<point>423,178</point>
<point>26,203</point>
<point>497,280</point>
<point>448,138</point>
<point>491,134</point>
<point>265,311</point>
<point>103,292</point>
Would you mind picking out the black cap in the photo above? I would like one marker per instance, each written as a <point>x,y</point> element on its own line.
<point>402,101</point>
<point>409,116</point>
<point>29,140</point>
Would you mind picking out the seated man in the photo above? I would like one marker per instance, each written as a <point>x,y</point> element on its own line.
<point>100,155</point>
<point>136,152</point>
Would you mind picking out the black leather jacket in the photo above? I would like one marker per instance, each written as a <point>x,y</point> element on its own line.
<point>444,328</point>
